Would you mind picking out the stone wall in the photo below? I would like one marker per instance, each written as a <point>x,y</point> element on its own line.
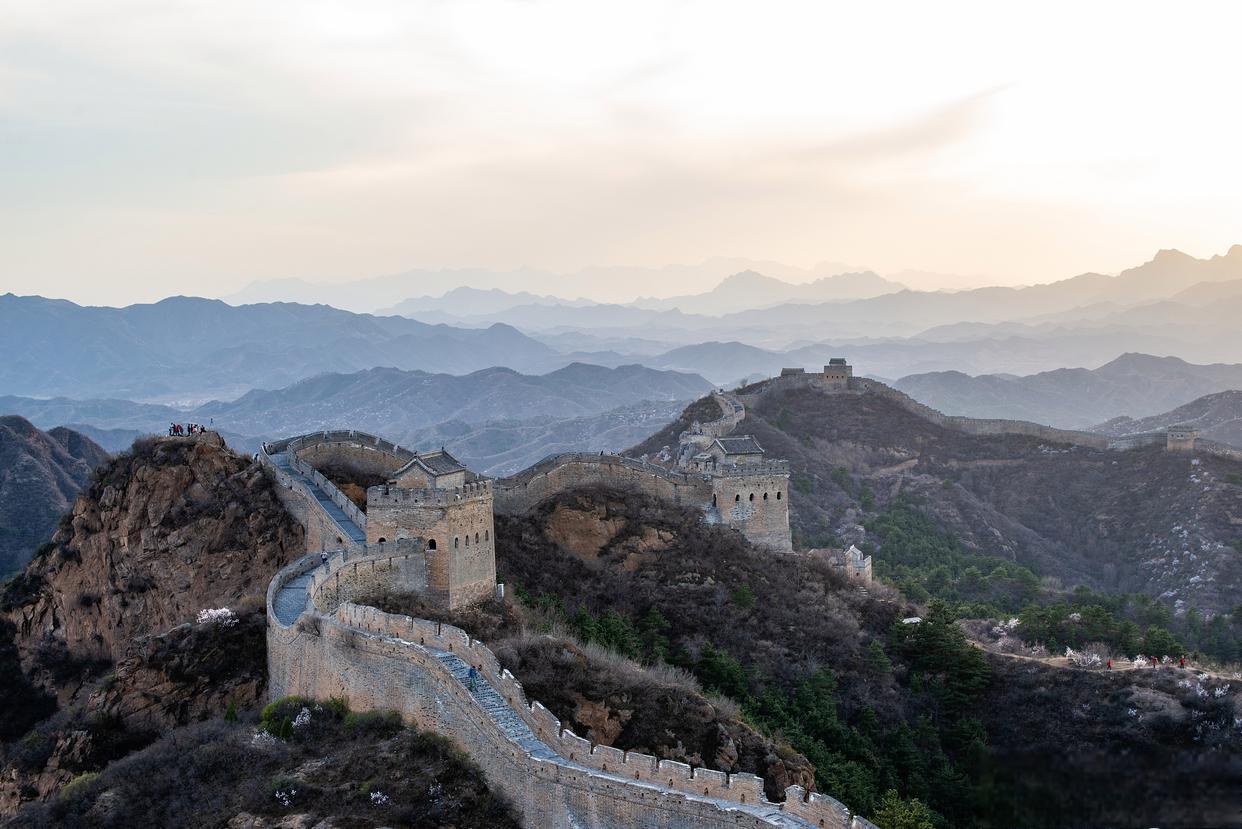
<point>576,470</point>
<point>732,413</point>
<point>1220,450</point>
<point>384,661</point>
<point>325,485</point>
<point>401,566</point>
<point>457,528</point>
<point>723,497</point>
<point>757,503</point>
<point>352,455</point>
<point>321,532</point>
<point>1138,441</point>
<point>295,444</point>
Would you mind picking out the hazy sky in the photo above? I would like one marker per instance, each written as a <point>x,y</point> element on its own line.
<point>150,147</point>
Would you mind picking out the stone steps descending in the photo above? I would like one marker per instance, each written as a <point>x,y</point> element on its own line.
<point>291,599</point>
<point>515,728</point>
<point>347,527</point>
<point>498,709</point>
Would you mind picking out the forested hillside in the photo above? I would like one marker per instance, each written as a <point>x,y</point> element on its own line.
<point>887,713</point>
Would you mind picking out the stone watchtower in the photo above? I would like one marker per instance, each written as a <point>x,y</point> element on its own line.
<point>1181,438</point>
<point>434,497</point>
<point>837,373</point>
<point>395,495</point>
<point>749,492</point>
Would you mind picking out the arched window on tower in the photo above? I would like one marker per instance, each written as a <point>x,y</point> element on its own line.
<point>382,539</point>
<point>487,535</point>
<point>737,497</point>
<point>467,539</point>
<point>476,538</point>
<point>713,500</point>
<point>778,495</point>
<point>765,496</point>
<point>752,496</point>
<point>456,542</point>
<point>431,545</point>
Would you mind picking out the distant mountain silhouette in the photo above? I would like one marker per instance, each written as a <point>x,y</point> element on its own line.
<point>40,475</point>
<point>621,282</point>
<point>188,347</point>
<point>750,289</point>
<point>1137,385</point>
<point>465,301</point>
<point>528,415</point>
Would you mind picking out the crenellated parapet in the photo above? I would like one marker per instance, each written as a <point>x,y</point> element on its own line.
<point>395,495</point>
<point>349,436</point>
<point>334,646</point>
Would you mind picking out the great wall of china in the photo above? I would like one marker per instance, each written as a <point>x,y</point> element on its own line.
<point>429,530</point>
<point>321,644</point>
<point>839,379</point>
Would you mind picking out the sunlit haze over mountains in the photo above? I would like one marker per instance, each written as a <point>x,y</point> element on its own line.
<point>187,148</point>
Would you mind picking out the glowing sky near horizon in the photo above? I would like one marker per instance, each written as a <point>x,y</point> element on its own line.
<point>152,147</point>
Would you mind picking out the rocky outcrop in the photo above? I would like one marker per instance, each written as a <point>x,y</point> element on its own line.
<point>173,527</point>
<point>103,622</point>
<point>40,475</point>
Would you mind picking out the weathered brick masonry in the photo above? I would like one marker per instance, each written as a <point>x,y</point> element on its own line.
<point>556,779</point>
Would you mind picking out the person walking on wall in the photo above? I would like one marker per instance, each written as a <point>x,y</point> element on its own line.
<point>473,676</point>
<point>323,558</point>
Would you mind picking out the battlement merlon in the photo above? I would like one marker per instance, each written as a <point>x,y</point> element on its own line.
<point>765,467</point>
<point>389,494</point>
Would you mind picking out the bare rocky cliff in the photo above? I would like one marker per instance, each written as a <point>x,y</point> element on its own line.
<point>166,530</point>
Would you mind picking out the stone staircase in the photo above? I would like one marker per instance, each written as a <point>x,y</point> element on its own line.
<point>501,713</point>
<point>348,528</point>
<point>291,599</point>
<point>511,724</point>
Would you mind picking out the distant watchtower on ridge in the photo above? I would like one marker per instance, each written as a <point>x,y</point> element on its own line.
<point>1181,438</point>
<point>837,373</point>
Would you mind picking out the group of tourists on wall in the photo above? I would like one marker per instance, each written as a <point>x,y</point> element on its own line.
<point>186,428</point>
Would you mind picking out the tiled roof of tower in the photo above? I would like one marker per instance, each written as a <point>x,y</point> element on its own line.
<point>436,463</point>
<point>744,445</point>
<point>440,462</point>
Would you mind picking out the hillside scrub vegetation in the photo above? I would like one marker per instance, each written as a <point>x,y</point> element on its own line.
<point>875,705</point>
<point>356,771</point>
<point>1143,521</point>
<point>597,687</point>
<point>914,553</point>
<point>806,656</point>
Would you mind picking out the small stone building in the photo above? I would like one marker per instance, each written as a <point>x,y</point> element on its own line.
<point>854,563</point>
<point>431,470</point>
<point>1181,438</point>
<point>837,373</point>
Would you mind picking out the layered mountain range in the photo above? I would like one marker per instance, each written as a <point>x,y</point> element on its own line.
<point>496,419</point>
<point>185,348</point>
<point>1173,304</point>
<point>1133,385</point>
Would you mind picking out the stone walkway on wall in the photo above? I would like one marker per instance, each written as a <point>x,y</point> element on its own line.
<point>347,527</point>
<point>291,599</point>
<point>511,724</point>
